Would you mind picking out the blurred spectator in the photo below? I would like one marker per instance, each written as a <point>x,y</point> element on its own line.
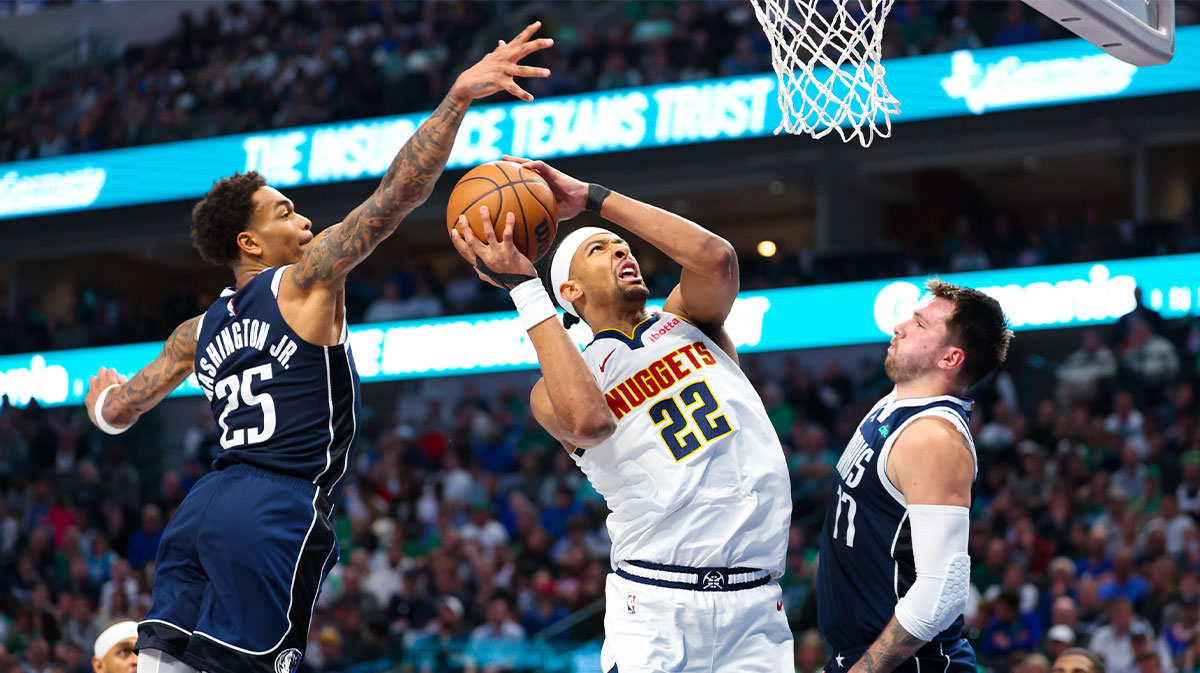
<point>483,528</point>
<point>1085,372</point>
<point>1140,313</point>
<point>962,35</point>
<point>1115,641</point>
<point>1059,639</point>
<point>499,625</point>
<point>811,655</point>
<point>1180,634</point>
<point>1079,660</point>
<point>143,544</point>
<point>1032,663</point>
<point>743,60</point>
<point>556,517</point>
<point>1187,494</point>
<point>1017,27</point>
<point>917,28</point>
<point>1124,582</point>
<point>1151,356</point>
<point>1009,630</point>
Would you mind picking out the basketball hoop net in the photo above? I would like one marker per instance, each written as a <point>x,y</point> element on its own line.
<point>826,54</point>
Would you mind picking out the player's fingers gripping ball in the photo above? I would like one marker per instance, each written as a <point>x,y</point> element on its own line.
<point>504,187</point>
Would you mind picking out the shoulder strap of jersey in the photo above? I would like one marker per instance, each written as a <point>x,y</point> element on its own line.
<point>939,411</point>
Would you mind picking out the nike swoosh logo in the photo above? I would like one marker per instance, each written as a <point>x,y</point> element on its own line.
<point>606,357</point>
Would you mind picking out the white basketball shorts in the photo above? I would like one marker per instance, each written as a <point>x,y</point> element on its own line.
<point>653,629</point>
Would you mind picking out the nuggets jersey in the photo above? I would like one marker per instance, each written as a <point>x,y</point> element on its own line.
<point>694,473</point>
<point>282,404</point>
<point>866,559</point>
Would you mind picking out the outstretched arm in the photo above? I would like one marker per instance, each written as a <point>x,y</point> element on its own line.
<point>130,399</point>
<point>411,177</point>
<point>709,282</point>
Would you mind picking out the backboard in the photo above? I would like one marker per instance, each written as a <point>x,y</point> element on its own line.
<point>1141,32</point>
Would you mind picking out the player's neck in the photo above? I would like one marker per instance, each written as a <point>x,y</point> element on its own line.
<point>622,319</point>
<point>245,271</point>
<point>926,387</point>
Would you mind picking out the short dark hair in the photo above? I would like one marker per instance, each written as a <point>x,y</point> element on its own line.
<point>977,326</point>
<point>222,214</point>
<point>1096,658</point>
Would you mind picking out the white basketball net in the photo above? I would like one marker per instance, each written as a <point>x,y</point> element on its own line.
<point>826,54</point>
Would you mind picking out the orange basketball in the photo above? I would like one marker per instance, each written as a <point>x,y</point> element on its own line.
<point>504,187</point>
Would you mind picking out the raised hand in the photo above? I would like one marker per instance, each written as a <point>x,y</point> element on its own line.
<point>497,70</point>
<point>570,193</point>
<point>497,261</point>
<point>96,385</point>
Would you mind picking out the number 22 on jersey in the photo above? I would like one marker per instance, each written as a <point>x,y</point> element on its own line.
<point>670,415</point>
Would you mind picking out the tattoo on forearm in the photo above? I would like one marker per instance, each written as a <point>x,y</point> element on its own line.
<point>893,647</point>
<point>408,182</point>
<point>508,280</point>
<point>155,381</point>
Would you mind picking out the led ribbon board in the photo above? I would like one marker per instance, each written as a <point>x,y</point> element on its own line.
<point>938,85</point>
<point>1046,297</point>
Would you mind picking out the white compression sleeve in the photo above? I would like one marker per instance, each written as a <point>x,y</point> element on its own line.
<point>157,661</point>
<point>939,594</point>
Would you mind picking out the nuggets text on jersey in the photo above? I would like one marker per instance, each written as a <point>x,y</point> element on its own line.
<point>660,375</point>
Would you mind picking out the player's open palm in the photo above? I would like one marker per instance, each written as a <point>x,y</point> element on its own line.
<point>496,260</point>
<point>571,194</point>
<point>498,69</point>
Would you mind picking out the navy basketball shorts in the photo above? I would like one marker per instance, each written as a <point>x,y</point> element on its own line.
<point>956,657</point>
<point>238,572</point>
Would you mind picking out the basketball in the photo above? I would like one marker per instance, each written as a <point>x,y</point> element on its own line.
<point>504,187</point>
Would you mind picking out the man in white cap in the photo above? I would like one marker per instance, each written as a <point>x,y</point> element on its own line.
<point>113,652</point>
<point>661,419</point>
<point>1059,639</point>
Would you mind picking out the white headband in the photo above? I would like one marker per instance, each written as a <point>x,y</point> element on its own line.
<point>560,266</point>
<point>113,635</point>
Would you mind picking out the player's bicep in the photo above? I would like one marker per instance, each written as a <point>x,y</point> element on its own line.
<point>933,464</point>
<point>713,330</point>
<point>543,413</point>
<point>706,298</point>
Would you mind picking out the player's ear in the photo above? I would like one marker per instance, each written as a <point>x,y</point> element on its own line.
<point>249,243</point>
<point>954,358</point>
<point>571,290</point>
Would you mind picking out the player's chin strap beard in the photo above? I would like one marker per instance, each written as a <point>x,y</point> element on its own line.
<point>508,280</point>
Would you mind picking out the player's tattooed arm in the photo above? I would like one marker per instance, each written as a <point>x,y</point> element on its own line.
<point>130,399</point>
<point>411,177</point>
<point>893,647</point>
<point>407,183</point>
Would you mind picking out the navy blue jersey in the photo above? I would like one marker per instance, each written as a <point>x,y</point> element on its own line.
<point>282,404</point>
<point>866,562</point>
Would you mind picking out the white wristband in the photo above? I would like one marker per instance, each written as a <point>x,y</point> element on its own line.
<point>99,413</point>
<point>533,303</point>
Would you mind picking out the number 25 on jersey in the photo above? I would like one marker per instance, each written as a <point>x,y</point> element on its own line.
<point>230,388</point>
<point>681,437</point>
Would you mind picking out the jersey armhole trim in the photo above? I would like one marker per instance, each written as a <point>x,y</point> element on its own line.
<point>940,412</point>
<point>276,279</point>
<point>683,318</point>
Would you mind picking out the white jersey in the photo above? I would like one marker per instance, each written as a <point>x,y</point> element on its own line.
<point>694,473</point>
